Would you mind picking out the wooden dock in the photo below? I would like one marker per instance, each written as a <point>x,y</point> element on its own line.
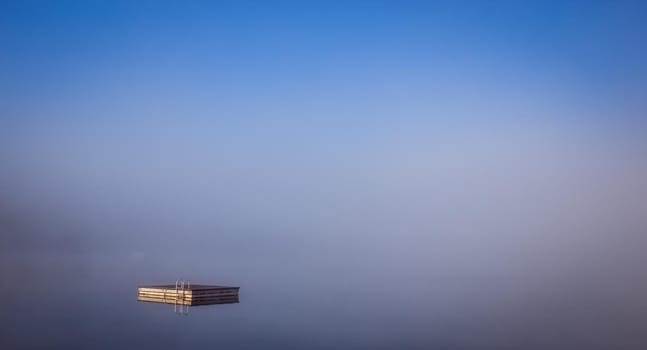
<point>188,294</point>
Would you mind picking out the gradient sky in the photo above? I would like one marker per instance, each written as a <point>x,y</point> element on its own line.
<point>283,98</point>
<point>494,146</point>
<point>284,115</point>
<point>151,60</point>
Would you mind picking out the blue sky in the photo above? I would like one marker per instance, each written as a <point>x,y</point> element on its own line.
<point>71,56</point>
<point>270,121</point>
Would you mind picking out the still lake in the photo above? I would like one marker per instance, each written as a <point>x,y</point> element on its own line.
<point>305,300</point>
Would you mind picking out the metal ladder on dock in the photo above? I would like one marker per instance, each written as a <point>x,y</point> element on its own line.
<point>180,286</point>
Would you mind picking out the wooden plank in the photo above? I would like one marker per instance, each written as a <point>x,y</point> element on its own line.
<point>189,294</point>
<point>203,291</point>
<point>187,287</point>
<point>228,300</point>
<point>194,294</point>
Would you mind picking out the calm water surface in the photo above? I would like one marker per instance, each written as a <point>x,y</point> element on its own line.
<point>82,301</point>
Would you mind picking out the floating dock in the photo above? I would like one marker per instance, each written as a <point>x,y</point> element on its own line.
<point>188,294</point>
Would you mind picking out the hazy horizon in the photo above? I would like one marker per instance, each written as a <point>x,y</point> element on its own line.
<point>379,174</point>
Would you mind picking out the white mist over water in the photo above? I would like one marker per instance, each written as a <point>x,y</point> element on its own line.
<point>520,227</point>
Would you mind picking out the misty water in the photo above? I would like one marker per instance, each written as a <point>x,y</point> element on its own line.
<point>471,241</point>
<point>312,298</point>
